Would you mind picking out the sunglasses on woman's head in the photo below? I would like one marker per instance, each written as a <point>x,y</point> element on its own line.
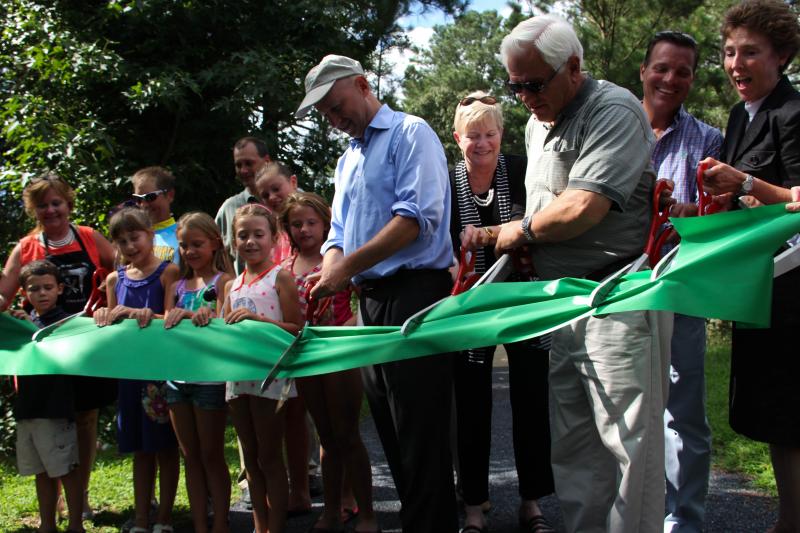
<point>488,100</point>
<point>533,87</point>
<point>149,197</point>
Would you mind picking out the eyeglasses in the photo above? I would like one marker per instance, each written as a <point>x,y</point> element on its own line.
<point>469,100</point>
<point>149,197</point>
<point>533,87</point>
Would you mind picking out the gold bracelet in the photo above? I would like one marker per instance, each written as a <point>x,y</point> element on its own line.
<point>489,232</point>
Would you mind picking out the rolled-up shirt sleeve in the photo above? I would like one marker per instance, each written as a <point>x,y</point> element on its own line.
<point>338,214</point>
<point>336,234</point>
<point>421,187</point>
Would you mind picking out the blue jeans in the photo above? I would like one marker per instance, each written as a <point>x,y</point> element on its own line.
<point>687,435</point>
<point>203,396</point>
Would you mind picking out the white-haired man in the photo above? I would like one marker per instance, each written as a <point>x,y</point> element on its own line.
<point>589,184</point>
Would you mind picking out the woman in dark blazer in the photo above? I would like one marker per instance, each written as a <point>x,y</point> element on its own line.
<point>488,189</point>
<point>762,152</point>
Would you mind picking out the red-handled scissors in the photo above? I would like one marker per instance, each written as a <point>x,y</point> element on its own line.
<point>466,276</point>
<point>706,200</point>
<point>97,298</point>
<point>660,228</point>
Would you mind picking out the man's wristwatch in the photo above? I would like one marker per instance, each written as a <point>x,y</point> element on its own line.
<point>747,184</point>
<point>525,225</point>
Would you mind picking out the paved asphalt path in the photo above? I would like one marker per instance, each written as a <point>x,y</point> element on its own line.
<point>731,507</point>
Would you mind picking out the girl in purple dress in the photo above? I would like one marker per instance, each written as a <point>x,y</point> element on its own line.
<point>136,290</point>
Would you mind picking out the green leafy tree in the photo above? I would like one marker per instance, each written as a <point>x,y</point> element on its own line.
<point>615,33</point>
<point>463,57</point>
<point>98,88</point>
<point>48,121</point>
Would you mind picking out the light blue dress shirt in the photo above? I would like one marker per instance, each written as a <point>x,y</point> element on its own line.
<point>398,168</point>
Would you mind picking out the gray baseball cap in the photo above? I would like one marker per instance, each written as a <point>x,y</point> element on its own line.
<point>321,78</point>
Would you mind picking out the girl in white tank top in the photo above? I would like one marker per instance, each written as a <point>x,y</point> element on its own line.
<point>266,293</point>
<point>260,297</point>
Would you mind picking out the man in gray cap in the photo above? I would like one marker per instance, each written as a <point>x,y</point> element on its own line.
<point>389,235</point>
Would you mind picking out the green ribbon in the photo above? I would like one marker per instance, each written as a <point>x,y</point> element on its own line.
<point>722,270</point>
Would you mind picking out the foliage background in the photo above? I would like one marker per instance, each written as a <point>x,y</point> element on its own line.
<point>98,88</point>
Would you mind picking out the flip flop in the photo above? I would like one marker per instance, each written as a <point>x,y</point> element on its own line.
<point>474,529</point>
<point>348,515</point>
<point>536,524</point>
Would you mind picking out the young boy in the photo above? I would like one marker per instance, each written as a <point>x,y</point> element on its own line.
<point>154,191</point>
<point>47,443</point>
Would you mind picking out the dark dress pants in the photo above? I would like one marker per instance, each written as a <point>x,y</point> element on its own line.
<point>527,368</point>
<point>410,402</point>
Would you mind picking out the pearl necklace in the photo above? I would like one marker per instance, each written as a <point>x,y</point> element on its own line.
<point>68,239</point>
<point>484,202</point>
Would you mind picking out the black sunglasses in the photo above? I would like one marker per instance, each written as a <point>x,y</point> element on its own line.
<point>533,87</point>
<point>148,197</point>
<point>469,100</point>
<point>210,294</point>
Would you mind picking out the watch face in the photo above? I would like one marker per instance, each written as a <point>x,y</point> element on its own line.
<point>747,184</point>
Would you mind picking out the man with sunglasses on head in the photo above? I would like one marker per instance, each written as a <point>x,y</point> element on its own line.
<point>154,191</point>
<point>589,187</point>
<point>683,141</point>
<point>390,235</point>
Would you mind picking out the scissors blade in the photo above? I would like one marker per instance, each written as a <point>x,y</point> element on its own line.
<point>277,367</point>
<point>786,261</point>
<point>607,285</point>
<point>414,320</point>
<point>44,332</point>
<point>499,271</point>
<point>285,391</point>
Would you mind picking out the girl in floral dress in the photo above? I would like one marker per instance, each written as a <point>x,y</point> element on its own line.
<point>334,400</point>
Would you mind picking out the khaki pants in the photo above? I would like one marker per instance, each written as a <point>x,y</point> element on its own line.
<point>608,380</point>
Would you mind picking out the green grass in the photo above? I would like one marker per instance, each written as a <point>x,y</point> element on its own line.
<point>111,493</point>
<point>730,451</point>
<point>112,487</point>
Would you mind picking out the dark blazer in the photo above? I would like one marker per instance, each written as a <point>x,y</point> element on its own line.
<point>770,147</point>
<point>764,368</point>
